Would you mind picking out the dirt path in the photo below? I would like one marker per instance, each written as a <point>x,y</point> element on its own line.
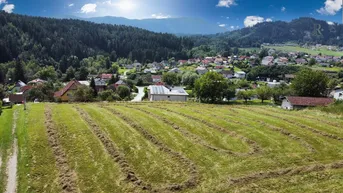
<point>11,167</point>
<point>67,176</point>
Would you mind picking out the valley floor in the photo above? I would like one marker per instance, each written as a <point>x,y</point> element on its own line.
<point>170,147</point>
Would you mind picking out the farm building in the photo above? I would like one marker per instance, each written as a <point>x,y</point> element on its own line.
<point>293,102</point>
<point>66,93</point>
<point>338,94</point>
<point>162,93</point>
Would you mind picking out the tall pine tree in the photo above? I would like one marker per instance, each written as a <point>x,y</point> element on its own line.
<point>19,73</point>
<point>93,87</point>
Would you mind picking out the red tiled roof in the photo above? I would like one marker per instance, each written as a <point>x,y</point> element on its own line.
<point>25,88</point>
<point>309,101</point>
<point>106,76</point>
<point>156,77</point>
<point>66,88</point>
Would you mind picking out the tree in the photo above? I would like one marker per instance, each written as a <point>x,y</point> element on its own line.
<point>112,80</point>
<point>279,92</point>
<point>124,92</point>
<point>264,93</point>
<point>230,92</point>
<point>263,53</point>
<point>170,78</point>
<point>93,87</point>
<point>210,87</point>
<point>245,95</point>
<point>83,94</point>
<point>47,73</point>
<point>0,107</point>
<point>189,78</point>
<point>312,62</point>
<point>82,74</point>
<point>44,92</point>
<point>2,92</point>
<point>340,74</point>
<point>310,83</point>
<point>70,74</point>
<point>19,73</point>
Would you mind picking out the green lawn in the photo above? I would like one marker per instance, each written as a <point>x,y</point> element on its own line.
<point>174,147</point>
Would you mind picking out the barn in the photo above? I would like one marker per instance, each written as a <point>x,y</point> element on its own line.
<point>162,93</point>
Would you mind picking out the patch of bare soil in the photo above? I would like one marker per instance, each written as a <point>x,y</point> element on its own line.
<point>66,176</point>
<point>193,179</point>
<point>255,148</point>
<point>11,167</point>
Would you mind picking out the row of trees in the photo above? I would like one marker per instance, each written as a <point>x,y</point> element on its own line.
<point>213,88</point>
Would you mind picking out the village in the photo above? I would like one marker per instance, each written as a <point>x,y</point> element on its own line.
<point>171,80</point>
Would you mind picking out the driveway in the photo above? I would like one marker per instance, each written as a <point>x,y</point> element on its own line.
<point>140,94</point>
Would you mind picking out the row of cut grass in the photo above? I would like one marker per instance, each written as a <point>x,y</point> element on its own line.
<point>144,156</point>
<point>94,169</point>
<point>37,170</point>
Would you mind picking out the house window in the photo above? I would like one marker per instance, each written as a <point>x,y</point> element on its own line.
<point>168,97</point>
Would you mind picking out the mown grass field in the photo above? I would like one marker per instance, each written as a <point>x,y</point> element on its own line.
<point>173,147</point>
<point>323,51</point>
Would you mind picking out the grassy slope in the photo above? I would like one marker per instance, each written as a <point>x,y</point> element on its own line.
<point>97,172</point>
<point>6,140</point>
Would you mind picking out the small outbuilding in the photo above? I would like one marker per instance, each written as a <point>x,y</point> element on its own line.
<point>294,102</point>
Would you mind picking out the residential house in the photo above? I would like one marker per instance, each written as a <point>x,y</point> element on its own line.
<point>294,102</point>
<point>300,61</point>
<point>273,84</point>
<point>105,77</point>
<point>85,82</point>
<point>240,74</point>
<point>100,84</point>
<point>281,61</point>
<point>227,74</point>
<point>201,70</point>
<point>150,70</point>
<point>19,97</point>
<point>129,66</point>
<point>174,70</point>
<point>36,82</point>
<point>268,61</point>
<point>183,62</point>
<point>338,94</point>
<point>66,94</point>
<point>120,83</point>
<point>156,78</point>
<point>138,66</point>
<point>218,61</point>
<point>162,93</point>
<point>17,86</point>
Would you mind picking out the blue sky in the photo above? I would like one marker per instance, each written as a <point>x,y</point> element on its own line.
<point>231,14</point>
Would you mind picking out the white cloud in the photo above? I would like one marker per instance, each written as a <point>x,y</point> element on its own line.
<point>331,23</point>
<point>250,21</point>
<point>283,9</point>
<point>226,3</point>
<point>3,1</point>
<point>269,20</point>
<point>331,7</point>
<point>88,8</point>
<point>232,27</point>
<point>222,25</point>
<point>8,8</point>
<point>71,5</point>
<point>160,16</point>
<point>227,17</point>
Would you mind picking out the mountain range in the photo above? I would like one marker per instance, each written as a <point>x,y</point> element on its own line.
<point>181,26</point>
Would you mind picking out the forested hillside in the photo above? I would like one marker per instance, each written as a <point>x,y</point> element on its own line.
<point>53,40</point>
<point>301,31</point>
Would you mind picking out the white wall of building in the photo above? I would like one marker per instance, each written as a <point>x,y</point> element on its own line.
<point>168,98</point>
<point>338,95</point>
<point>286,105</point>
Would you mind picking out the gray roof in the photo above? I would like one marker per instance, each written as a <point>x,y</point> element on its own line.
<point>162,90</point>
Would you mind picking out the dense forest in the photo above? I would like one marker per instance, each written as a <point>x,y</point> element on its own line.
<point>301,31</point>
<point>53,41</point>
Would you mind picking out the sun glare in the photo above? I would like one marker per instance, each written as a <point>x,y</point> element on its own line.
<point>126,5</point>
